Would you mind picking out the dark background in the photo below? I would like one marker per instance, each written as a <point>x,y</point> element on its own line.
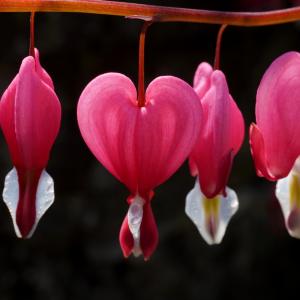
<point>75,253</point>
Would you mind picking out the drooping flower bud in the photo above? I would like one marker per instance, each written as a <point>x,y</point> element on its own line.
<point>274,139</point>
<point>210,205</point>
<point>30,115</point>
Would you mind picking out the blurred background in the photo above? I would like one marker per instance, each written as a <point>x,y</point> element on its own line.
<point>75,252</point>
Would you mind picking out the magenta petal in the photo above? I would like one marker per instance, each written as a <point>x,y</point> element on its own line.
<point>37,116</point>
<point>221,136</point>
<point>141,146</point>
<point>171,121</point>
<point>202,80</point>
<point>44,76</point>
<point>126,238</point>
<point>7,117</point>
<point>30,117</point>
<point>148,234</point>
<point>277,113</point>
<point>258,152</point>
<point>107,117</point>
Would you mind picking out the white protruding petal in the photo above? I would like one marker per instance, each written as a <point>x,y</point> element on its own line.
<point>11,196</point>
<point>290,212</point>
<point>194,208</point>
<point>135,217</point>
<point>44,197</point>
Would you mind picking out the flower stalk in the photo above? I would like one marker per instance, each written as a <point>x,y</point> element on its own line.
<point>31,40</point>
<point>218,47</point>
<point>141,76</point>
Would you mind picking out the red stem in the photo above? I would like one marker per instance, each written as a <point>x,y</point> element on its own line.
<point>141,71</point>
<point>218,47</point>
<point>31,43</point>
<point>160,13</point>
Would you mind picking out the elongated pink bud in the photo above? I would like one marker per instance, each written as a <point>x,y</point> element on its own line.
<point>207,204</point>
<point>30,116</point>
<point>222,133</point>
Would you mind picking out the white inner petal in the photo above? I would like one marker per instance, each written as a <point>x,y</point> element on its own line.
<point>135,217</point>
<point>211,218</point>
<point>44,197</point>
<point>288,195</point>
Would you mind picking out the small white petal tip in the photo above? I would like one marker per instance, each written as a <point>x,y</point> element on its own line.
<point>211,216</point>
<point>135,217</point>
<point>44,197</point>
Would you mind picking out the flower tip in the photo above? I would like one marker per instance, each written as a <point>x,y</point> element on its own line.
<point>25,213</point>
<point>201,80</point>
<point>211,215</point>
<point>138,234</point>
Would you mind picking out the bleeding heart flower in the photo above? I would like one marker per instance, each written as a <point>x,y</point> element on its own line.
<point>274,141</point>
<point>141,146</point>
<point>210,205</point>
<point>30,116</point>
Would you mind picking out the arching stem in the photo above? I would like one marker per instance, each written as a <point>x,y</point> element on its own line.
<point>160,13</point>
<point>141,70</point>
<point>31,41</point>
<point>218,47</point>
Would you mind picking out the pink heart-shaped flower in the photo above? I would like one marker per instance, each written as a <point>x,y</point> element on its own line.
<point>141,146</point>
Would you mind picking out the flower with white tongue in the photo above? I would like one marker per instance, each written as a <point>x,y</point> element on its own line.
<point>210,204</point>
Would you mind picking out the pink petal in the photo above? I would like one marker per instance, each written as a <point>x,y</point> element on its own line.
<point>37,116</point>
<point>258,152</point>
<point>142,147</point>
<point>7,117</point>
<point>149,233</point>
<point>44,76</point>
<point>277,113</point>
<point>107,117</point>
<point>202,80</point>
<point>30,117</point>
<point>126,238</point>
<point>221,136</point>
<point>172,121</point>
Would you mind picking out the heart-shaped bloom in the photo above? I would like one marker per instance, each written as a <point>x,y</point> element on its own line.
<point>211,204</point>
<point>141,146</point>
<point>30,116</point>
<point>274,140</point>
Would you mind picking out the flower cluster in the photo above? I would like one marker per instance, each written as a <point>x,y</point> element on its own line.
<point>143,145</point>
